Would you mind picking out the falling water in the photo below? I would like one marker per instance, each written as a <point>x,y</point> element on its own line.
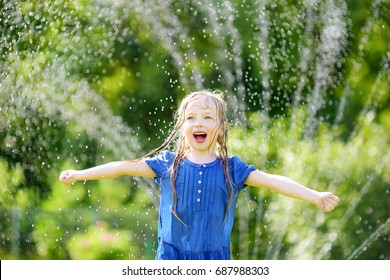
<point>333,42</point>
<point>381,230</point>
<point>221,18</point>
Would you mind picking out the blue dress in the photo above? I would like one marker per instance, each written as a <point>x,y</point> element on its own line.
<point>202,199</point>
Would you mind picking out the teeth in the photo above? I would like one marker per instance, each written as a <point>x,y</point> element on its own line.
<point>199,133</point>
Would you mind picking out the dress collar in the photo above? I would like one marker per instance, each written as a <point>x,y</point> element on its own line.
<point>207,164</point>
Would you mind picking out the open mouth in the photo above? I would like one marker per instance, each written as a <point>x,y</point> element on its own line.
<point>200,137</point>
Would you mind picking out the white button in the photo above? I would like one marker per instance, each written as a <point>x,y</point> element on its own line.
<point>199,191</point>
<point>204,165</point>
<point>200,173</point>
<point>198,200</point>
<point>199,182</point>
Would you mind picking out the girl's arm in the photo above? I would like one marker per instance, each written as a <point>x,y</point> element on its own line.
<point>109,170</point>
<point>326,201</point>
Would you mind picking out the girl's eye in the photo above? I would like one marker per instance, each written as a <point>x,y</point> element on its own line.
<point>208,117</point>
<point>190,118</point>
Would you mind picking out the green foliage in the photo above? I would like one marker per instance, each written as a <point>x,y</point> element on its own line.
<point>356,170</point>
<point>102,244</point>
<point>102,225</point>
<point>10,179</point>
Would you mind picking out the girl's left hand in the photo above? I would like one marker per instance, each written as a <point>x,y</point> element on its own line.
<point>327,201</point>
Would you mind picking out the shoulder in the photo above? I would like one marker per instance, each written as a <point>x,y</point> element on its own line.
<point>161,162</point>
<point>239,171</point>
<point>164,156</point>
<point>238,165</point>
<point>236,161</point>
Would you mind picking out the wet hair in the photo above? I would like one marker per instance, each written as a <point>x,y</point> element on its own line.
<point>182,147</point>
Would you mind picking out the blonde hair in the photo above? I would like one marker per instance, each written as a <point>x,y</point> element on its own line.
<point>182,147</point>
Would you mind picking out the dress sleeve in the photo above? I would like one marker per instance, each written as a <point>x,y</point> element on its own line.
<point>161,163</point>
<point>240,172</point>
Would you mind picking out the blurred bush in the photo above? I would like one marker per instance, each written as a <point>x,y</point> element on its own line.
<point>356,169</point>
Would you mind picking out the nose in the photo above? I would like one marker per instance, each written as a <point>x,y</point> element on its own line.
<point>198,122</point>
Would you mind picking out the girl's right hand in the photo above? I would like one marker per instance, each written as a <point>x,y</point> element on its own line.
<point>68,177</point>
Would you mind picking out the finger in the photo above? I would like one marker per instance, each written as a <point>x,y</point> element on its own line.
<point>65,180</point>
<point>333,201</point>
<point>328,206</point>
<point>63,174</point>
<point>332,197</point>
<point>323,206</point>
<point>330,202</point>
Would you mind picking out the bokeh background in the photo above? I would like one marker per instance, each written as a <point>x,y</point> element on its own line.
<point>86,82</point>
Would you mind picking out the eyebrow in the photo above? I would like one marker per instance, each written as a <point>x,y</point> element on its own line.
<point>205,112</point>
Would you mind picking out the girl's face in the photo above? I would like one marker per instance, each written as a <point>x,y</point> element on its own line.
<point>200,127</point>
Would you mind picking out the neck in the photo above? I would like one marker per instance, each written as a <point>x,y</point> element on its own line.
<point>201,157</point>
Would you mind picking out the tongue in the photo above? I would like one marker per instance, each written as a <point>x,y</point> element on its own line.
<point>200,138</point>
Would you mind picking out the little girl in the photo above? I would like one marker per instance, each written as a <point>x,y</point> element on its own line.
<point>199,182</point>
